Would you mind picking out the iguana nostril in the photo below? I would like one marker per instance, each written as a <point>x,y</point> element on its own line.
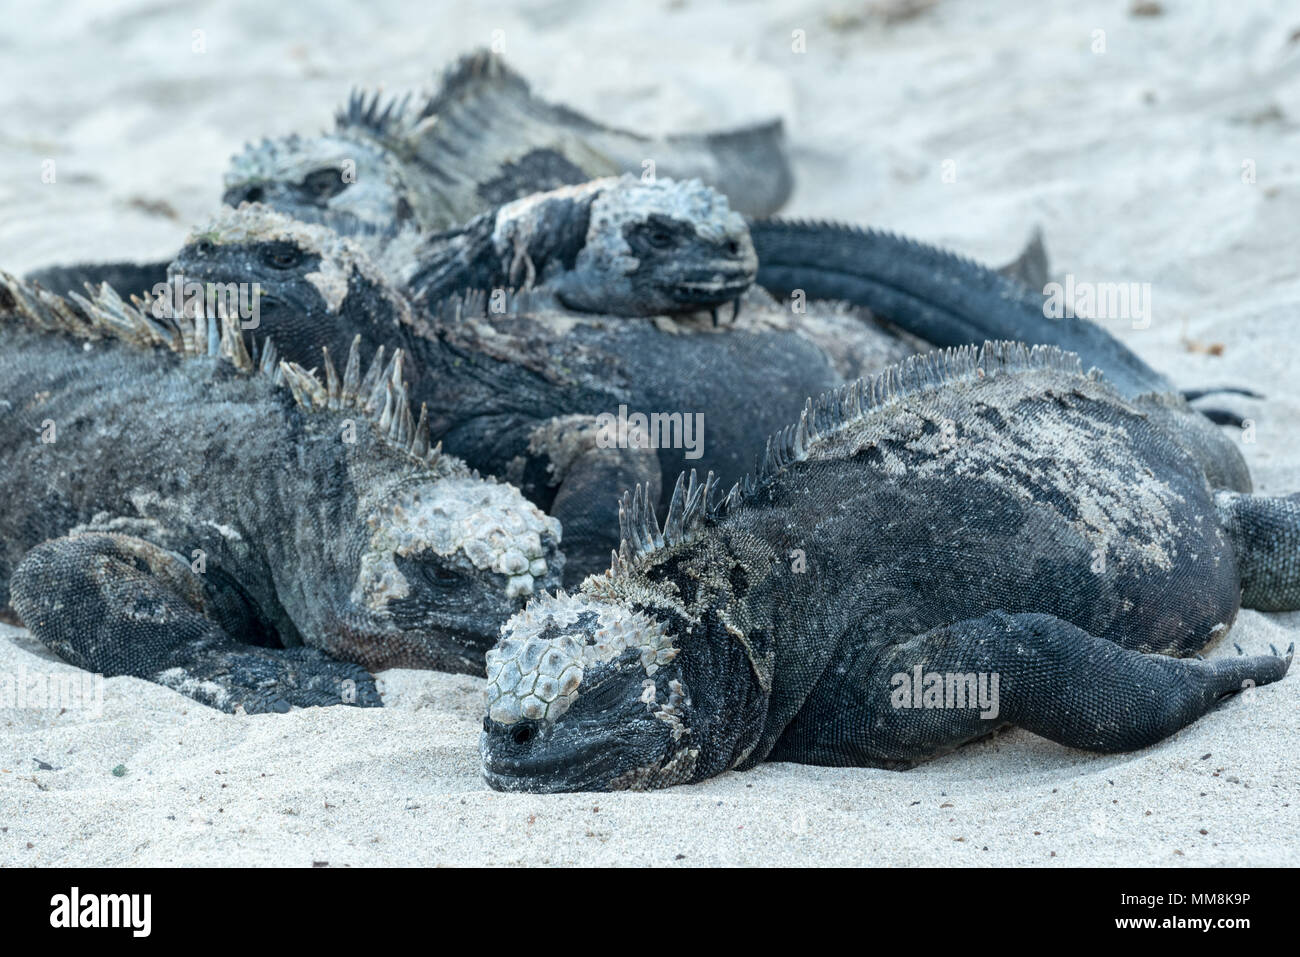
<point>523,734</point>
<point>733,247</point>
<point>254,194</point>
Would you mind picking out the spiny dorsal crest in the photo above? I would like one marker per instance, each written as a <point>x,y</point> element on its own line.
<point>694,504</point>
<point>381,396</point>
<point>360,113</point>
<point>475,71</point>
<point>101,316</point>
<point>928,372</point>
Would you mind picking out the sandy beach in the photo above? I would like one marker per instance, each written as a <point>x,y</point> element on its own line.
<point>1151,149</point>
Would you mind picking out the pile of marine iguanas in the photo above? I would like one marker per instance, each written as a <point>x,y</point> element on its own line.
<point>487,350</point>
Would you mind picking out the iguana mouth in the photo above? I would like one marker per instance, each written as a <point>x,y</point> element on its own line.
<point>587,768</point>
<point>723,289</point>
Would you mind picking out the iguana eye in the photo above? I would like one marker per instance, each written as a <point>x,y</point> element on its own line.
<point>437,576</point>
<point>324,183</point>
<point>660,238</point>
<point>282,256</point>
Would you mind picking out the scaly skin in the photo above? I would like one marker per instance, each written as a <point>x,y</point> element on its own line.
<point>175,513</point>
<point>516,393</point>
<point>617,246</point>
<point>997,514</point>
<point>944,298</point>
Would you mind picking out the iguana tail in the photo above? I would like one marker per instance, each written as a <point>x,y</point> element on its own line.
<point>129,278</point>
<point>943,298</point>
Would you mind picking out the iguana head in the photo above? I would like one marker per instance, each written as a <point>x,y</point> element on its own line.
<point>585,695</point>
<point>347,178</point>
<point>627,247</point>
<point>442,562</point>
<point>376,546</point>
<point>415,558</point>
<point>301,285</point>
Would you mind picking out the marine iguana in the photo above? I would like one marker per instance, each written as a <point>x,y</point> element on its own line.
<point>530,391</point>
<point>228,524</point>
<point>480,141</point>
<point>483,139</point>
<point>972,539</point>
<point>618,246</point>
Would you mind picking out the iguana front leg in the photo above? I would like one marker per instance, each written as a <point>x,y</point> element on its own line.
<point>121,605</point>
<point>1034,671</point>
<point>591,466</point>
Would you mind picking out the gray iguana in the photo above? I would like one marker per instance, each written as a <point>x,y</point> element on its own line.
<point>531,391</point>
<point>972,539</point>
<point>228,524</point>
<point>483,139</point>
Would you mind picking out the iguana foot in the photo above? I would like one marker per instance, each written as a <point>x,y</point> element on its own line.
<point>1265,535</point>
<point>120,605</point>
<point>1053,679</point>
<point>234,677</point>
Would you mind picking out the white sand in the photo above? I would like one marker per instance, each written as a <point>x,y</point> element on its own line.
<point>1132,162</point>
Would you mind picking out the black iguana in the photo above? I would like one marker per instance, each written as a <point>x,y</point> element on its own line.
<point>520,391</point>
<point>178,510</point>
<point>531,391</point>
<point>972,539</point>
